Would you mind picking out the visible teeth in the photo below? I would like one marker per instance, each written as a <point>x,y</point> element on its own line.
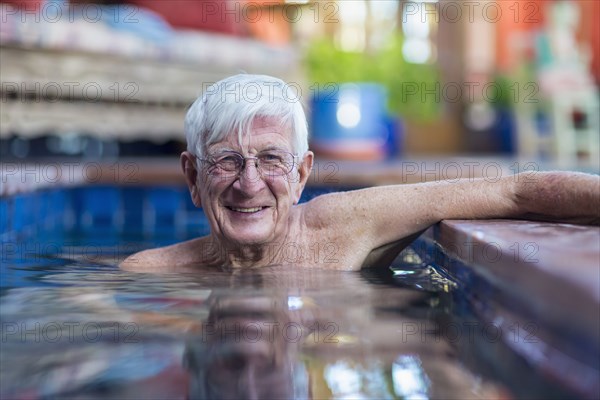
<point>247,210</point>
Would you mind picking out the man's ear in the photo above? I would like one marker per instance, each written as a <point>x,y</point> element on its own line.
<point>304,170</point>
<point>190,172</point>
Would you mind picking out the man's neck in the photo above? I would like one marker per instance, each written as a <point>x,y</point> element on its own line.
<point>242,256</point>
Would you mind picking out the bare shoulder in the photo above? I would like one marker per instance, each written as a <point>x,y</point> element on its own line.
<point>163,259</point>
<point>353,210</point>
<point>343,218</point>
<point>332,207</point>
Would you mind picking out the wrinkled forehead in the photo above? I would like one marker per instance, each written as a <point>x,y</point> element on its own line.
<point>259,133</point>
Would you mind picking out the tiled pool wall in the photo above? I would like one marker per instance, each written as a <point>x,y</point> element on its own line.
<point>111,209</point>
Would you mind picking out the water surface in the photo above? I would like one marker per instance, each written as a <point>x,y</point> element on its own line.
<point>75,326</point>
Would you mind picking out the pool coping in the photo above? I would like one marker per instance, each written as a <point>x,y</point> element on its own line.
<point>532,260</point>
<point>539,281</point>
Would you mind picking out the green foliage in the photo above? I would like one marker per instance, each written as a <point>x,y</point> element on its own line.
<point>512,91</point>
<point>500,92</point>
<point>413,89</point>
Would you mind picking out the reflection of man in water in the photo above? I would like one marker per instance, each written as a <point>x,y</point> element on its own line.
<point>247,162</point>
<point>243,353</point>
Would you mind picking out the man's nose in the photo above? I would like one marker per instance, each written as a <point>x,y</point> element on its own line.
<point>249,180</point>
<point>247,383</point>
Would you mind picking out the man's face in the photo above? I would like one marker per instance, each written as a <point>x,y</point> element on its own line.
<point>255,365</point>
<point>251,207</point>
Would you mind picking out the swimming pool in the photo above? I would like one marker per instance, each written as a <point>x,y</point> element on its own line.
<point>74,325</point>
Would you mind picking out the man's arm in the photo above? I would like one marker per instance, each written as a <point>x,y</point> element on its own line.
<point>378,216</point>
<point>559,196</point>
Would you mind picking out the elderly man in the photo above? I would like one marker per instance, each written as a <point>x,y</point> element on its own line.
<point>247,162</point>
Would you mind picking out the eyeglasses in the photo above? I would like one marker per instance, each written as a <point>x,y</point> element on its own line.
<point>268,162</point>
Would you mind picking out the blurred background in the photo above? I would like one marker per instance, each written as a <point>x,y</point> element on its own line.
<point>381,80</point>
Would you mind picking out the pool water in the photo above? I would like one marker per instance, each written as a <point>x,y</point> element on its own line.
<point>75,326</point>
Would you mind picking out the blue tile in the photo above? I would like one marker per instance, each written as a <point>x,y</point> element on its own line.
<point>99,207</point>
<point>19,213</point>
<point>162,205</point>
<point>189,204</point>
<point>4,220</point>
<point>165,200</point>
<point>133,206</point>
<point>8,231</point>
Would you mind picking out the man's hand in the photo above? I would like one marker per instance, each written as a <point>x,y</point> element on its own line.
<point>570,197</point>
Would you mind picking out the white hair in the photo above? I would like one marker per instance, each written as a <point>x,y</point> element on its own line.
<point>231,105</point>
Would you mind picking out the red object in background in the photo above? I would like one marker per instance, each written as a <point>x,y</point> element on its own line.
<point>519,19</point>
<point>223,16</point>
<point>588,32</point>
<point>528,16</point>
<point>28,5</point>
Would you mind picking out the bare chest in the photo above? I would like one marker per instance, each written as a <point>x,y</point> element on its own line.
<point>319,251</point>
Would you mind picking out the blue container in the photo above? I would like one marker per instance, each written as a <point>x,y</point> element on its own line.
<point>350,121</point>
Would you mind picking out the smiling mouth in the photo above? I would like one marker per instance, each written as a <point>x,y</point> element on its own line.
<point>246,210</point>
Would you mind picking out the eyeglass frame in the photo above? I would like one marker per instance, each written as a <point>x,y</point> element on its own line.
<point>257,163</point>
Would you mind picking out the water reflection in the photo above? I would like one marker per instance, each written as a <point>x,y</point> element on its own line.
<point>258,347</point>
<point>248,349</point>
<point>410,381</point>
<point>272,333</point>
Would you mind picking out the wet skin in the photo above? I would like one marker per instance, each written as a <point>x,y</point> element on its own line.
<point>256,220</point>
